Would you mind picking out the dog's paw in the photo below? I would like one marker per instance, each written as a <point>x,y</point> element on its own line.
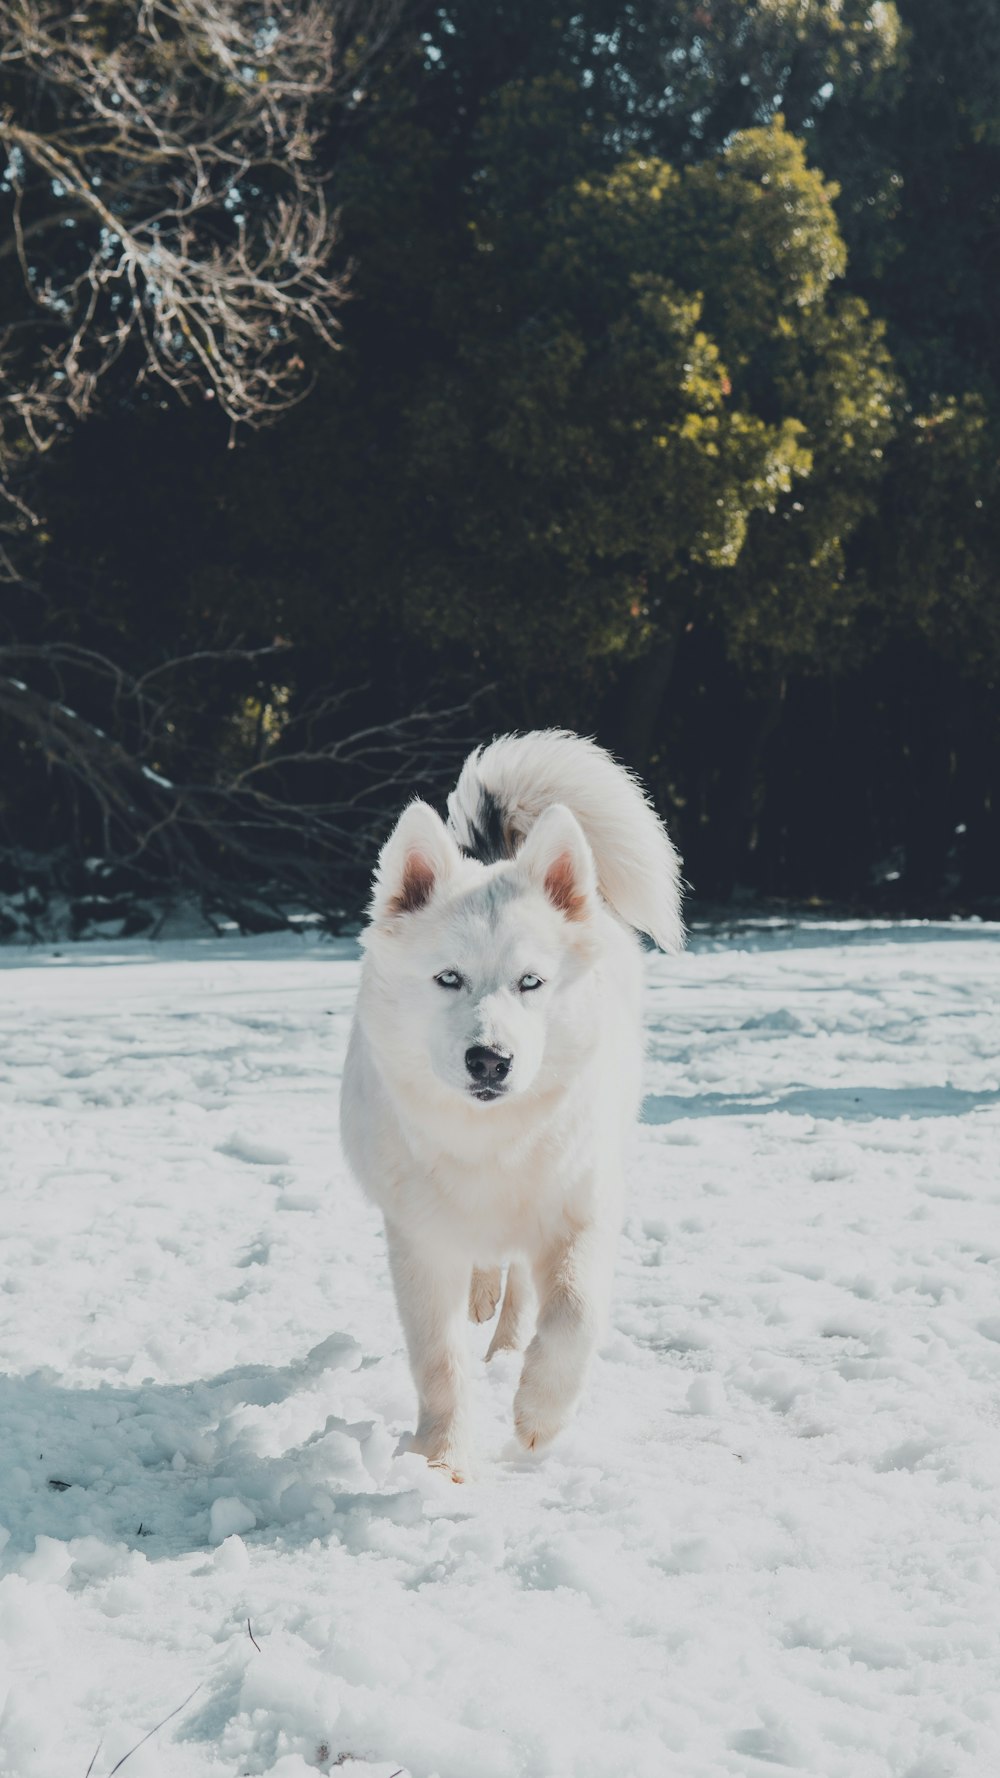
<point>506,1339</point>
<point>509,1334</point>
<point>454,1467</point>
<point>484,1294</point>
<point>539,1412</point>
<point>444,1450</point>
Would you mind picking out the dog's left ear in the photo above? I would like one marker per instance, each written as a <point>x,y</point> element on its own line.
<point>417,857</point>
<point>557,859</point>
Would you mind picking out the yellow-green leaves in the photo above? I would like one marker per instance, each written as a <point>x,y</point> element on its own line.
<point>651,366</point>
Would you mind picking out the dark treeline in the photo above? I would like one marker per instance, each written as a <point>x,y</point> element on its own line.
<point>645,373</point>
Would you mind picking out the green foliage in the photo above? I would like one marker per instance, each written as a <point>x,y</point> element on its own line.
<point>799,587</point>
<point>676,78</point>
<point>942,507</point>
<point>639,368</point>
<point>920,168</point>
<point>924,238</point>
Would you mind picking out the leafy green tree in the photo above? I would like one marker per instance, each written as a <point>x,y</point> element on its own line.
<point>677,78</point>
<point>649,367</point>
<point>925,245</point>
<point>919,163</point>
<point>941,533</point>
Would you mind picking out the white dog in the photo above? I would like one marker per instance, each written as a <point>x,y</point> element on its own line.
<point>493,1070</point>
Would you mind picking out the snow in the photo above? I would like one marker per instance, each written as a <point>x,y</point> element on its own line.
<point>770,1544</point>
<point>228,1516</point>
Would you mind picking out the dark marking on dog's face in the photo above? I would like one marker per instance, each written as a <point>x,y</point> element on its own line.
<point>488,842</point>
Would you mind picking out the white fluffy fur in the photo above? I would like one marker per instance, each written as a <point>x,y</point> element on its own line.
<point>638,870</point>
<point>532,1179</point>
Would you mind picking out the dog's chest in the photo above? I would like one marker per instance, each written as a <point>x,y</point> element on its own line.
<point>496,1204</point>
<point>492,1218</point>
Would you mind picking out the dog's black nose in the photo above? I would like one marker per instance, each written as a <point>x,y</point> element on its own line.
<point>487,1067</point>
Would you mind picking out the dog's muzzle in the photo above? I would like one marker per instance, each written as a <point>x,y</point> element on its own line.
<point>488,1070</point>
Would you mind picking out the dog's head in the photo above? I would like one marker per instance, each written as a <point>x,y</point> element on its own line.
<point>475,966</point>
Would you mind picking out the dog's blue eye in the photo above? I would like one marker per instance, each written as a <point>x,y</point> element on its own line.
<point>449,978</point>
<point>528,982</point>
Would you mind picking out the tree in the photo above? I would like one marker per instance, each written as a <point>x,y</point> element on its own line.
<point>648,367</point>
<point>167,235</point>
<point>919,164</point>
<point>673,78</point>
<point>163,212</point>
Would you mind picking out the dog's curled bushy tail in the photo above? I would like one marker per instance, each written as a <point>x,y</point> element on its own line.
<point>506,786</point>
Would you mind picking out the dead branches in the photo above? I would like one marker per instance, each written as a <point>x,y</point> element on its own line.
<point>252,814</point>
<point>162,207</point>
<point>164,229</point>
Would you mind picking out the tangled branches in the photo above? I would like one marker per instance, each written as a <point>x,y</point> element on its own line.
<point>164,230</point>
<point>284,807</point>
<point>161,208</point>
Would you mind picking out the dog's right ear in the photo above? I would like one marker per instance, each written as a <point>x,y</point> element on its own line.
<point>557,859</point>
<point>418,855</point>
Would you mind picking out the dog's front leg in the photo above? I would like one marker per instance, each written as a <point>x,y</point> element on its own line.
<point>432,1293</point>
<point>573,1280</point>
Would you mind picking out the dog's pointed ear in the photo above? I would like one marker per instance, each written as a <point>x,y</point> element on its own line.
<point>557,859</point>
<point>419,855</point>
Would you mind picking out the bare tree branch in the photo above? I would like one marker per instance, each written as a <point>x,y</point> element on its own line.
<point>163,199</point>
<point>292,814</point>
<point>163,219</point>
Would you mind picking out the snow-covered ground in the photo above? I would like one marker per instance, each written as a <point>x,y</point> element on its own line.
<point>769,1545</point>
